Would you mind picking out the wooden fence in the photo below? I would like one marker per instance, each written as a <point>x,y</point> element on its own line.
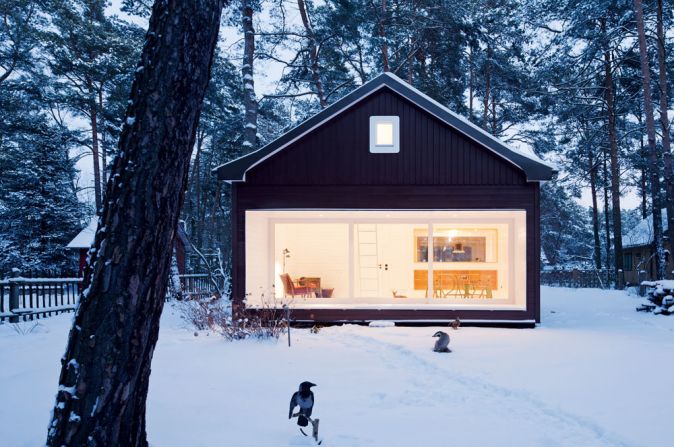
<point>575,278</point>
<point>199,285</point>
<point>23,299</point>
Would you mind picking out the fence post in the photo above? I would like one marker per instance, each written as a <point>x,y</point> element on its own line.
<point>14,295</point>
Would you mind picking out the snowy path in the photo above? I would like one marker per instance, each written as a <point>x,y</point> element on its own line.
<point>586,377</point>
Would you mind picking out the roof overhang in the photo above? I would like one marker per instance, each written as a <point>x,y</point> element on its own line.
<point>535,169</point>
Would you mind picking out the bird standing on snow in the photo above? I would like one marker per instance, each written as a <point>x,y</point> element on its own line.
<point>442,342</point>
<point>304,398</point>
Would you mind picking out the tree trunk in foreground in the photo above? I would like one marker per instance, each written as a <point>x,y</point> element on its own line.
<point>652,151</point>
<point>106,368</point>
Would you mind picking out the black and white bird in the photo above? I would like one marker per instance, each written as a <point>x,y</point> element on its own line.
<point>442,343</point>
<point>304,398</point>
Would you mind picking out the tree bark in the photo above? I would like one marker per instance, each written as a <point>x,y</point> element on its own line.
<point>664,124</point>
<point>93,117</point>
<point>652,150</point>
<point>487,90</point>
<point>312,48</point>
<point>249,99</point>
<point>470,83</point>
<point>615,170</point>
<point>382,36</point>
<point>104,151</point>
<point>595,210</point>
<point>106,368</point>
<point>607,219</point>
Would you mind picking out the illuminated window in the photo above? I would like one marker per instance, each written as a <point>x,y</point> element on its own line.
<point>384,134</point>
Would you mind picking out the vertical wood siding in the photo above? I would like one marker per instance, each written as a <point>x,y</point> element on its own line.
<point>431,153</point>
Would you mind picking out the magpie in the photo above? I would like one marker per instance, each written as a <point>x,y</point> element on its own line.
<point>442,343</point>
<point>304,398</point>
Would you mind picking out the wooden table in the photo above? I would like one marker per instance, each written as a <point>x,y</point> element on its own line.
<point>462,283</point>
<point>313,283</point>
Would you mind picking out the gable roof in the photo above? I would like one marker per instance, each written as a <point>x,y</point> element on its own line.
<point>85,238</point>
<point>533,167</point>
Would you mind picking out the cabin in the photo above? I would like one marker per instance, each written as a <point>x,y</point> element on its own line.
<point>639,251</point>
<point>386,205</point>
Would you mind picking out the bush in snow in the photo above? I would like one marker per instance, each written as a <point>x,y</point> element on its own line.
<point>264,322</point>
<point>660,296</point>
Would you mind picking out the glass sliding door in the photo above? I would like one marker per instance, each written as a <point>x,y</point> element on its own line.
<point>374,259</point>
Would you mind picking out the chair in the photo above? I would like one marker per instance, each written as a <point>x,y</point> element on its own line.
<point>289,287</point>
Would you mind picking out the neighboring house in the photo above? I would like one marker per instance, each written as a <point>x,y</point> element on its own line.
<point>85,239</point>
<point>638,251</point>
<point>388,206</point>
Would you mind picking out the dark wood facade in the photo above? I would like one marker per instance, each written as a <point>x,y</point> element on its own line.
<point>438,168</point>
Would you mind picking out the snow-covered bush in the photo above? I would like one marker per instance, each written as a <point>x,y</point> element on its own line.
<point>263,322</point>
<point>660,296</point>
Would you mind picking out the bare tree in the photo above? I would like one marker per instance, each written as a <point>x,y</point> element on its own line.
<point>652,150</point>
<point>105,371</point>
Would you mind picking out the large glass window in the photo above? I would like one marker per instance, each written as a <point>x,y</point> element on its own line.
<point>351,259</point>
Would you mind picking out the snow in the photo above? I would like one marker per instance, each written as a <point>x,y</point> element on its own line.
<point>85,237</point>
<point>586,376</point>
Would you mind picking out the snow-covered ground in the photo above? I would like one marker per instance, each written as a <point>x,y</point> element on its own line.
<point>594,373</point>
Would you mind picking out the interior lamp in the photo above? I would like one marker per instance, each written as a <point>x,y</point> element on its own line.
<point>285,254</point>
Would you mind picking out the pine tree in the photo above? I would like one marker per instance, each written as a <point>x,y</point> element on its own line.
<point>92,57</point>
<point>39,210</point>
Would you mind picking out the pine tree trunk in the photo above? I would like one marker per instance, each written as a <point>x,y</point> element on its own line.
<point>96,154</point>
<point>493,113</point>
<point>382,36</point>
<point>595,212</point>
<point>194,197</point>
<point>312,47</point>
<point>652,150</point>
<point>487,92</point>
<point>106,368</point>
<point>104,152</point>
<point>470,83</point>
<point>249,100</point>
<point>615,172</point>
<point>607,220</point>
<point>664,124</point>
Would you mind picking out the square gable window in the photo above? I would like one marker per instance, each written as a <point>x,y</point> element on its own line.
<point>384,134</point>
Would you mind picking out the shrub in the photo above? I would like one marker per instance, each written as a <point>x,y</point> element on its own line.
<point>265,322</point>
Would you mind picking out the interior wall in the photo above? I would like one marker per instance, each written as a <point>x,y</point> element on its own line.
<point>316,250</point>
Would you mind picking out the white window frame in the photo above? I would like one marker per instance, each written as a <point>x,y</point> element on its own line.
<point>389,148</point>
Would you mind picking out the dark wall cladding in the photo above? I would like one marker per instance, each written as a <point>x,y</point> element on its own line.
<point>431,153</point>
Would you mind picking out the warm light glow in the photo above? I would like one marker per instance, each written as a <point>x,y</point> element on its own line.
<point>412,259</point>
<point>384,134</point>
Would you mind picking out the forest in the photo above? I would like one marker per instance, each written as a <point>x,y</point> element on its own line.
<point>585,85</point>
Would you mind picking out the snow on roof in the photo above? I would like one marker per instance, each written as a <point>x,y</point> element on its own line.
<point>85,238</point>
<point>642,234</point>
